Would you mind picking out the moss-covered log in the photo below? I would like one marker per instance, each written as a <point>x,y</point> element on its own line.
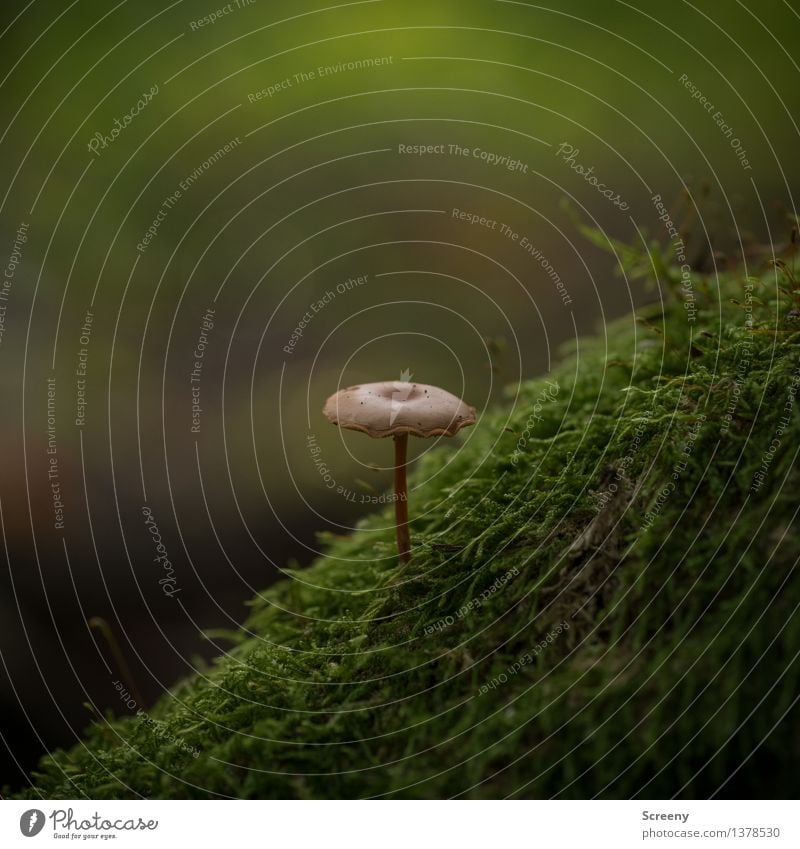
<point>603,597</point>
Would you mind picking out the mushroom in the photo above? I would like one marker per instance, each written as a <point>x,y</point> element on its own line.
<point>397,408</point>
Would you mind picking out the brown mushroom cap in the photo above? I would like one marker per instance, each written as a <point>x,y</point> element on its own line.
<point>393,407</point>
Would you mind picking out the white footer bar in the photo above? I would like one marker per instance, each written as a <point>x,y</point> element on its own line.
<point>401,824</point>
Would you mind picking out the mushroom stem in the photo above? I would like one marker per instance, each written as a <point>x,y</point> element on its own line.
<point>401,496</point>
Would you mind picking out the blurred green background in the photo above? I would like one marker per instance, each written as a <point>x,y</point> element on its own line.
<point>317,104</point>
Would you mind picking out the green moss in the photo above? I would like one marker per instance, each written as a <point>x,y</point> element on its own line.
<point>629,512</point>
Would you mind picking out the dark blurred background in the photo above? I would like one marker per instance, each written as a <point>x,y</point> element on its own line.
<point>187,185</point>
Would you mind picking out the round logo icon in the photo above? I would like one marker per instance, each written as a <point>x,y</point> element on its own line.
<point>31,822</point>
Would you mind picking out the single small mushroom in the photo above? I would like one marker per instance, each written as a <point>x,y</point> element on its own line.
<point>397,408</point>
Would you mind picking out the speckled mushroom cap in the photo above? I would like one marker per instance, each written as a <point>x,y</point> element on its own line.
<point>392,407</point>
